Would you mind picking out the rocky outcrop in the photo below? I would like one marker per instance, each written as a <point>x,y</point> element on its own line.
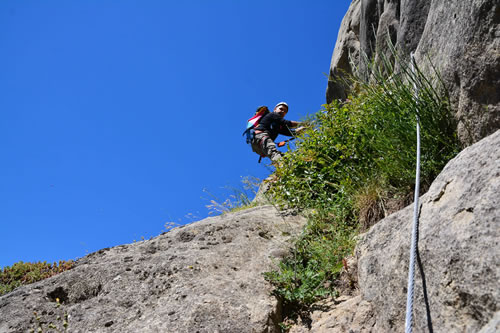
<point>203,277</point>
<point>457,289</point>
<point>457,277</point>
<point>460,38</point>
<point>346,50</point>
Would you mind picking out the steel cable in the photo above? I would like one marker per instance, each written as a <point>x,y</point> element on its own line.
<point>414,237</point>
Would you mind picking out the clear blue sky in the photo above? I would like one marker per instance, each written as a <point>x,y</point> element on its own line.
<point>115,115</point>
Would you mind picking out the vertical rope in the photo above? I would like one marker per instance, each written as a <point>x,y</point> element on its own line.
<point>413,250</point>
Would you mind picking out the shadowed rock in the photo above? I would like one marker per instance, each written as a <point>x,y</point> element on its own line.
<point>461,38</point>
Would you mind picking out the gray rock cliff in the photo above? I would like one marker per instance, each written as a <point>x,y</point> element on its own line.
<point>203,277</point>
<point>460,38</point>
<point>457,284</point>
<point>458,288</point>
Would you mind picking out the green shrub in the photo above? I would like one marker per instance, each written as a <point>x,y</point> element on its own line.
<point>22,273</point>
<point>356,154</point>
<point>371,137</point>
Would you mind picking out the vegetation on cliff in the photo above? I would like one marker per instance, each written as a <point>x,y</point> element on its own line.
<point>355,165</point>
<point>22,273</point>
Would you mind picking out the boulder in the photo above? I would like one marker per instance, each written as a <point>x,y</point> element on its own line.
<point>458,273</point>
<point>346,50</point>
<point>458,267</point>
<point>460,38</point>
<point>203,277</point>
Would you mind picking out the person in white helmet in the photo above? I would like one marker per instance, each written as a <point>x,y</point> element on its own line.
<point>267,131</point>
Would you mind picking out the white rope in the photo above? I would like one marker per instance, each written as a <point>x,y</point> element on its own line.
<point>413,250</point>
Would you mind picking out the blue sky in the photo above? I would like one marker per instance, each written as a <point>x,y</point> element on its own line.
<point>116,115</point>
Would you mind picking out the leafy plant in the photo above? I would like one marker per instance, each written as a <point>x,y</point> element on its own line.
<point>354,157</point>
<point>22,273</point>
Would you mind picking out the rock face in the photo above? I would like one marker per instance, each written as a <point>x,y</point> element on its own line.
<point>457,286</point>
<point>347,48</point>
<point>461,39</point>
<point>204,277</point>
<point>457,289</point>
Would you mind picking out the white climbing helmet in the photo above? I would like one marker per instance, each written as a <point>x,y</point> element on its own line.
<point>281,103</point>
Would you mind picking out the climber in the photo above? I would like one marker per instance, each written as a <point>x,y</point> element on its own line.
<point>269,127</point>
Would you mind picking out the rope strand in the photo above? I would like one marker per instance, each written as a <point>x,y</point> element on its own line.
<point>413,250</point>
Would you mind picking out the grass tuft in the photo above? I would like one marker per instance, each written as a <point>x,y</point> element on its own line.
<point>355,165</point>
<point>238,199</point>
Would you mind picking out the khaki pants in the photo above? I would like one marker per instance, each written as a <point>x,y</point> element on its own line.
<point>265,147</point>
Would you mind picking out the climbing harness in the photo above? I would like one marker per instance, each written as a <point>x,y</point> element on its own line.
<point>414,237</point>
<point>279,144</point>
